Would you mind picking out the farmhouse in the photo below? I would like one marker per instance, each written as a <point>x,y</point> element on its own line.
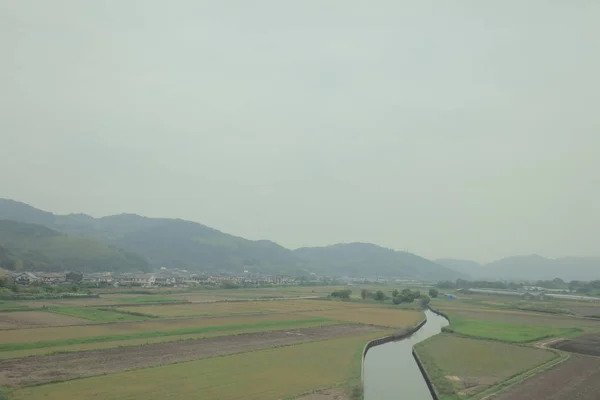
<point>137,280</point>
<point>52,278</point>
<point>26,278</point>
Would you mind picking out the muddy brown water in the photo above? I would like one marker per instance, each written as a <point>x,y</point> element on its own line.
<point>390,370</point>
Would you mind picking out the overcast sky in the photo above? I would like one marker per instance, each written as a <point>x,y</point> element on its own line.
<point>448,128</point>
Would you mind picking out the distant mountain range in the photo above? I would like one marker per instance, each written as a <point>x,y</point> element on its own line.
<point>129,242</point>
<point>33,239</point>
<point>529,268</point>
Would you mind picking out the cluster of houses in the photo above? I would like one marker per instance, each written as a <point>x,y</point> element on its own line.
<point>164,277</point>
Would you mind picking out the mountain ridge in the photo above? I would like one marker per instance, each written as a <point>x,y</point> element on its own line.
<point>186,244</point>
<point>529,267</point>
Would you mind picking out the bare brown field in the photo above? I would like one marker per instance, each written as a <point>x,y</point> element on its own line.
<point>576,379</point>
<point>372,316</point>
<point>587,344</point>
<point>36,319</point>
<point>240,307</point>
<point>583,310</point>
<point>153,325</point>
<point>35,370</point>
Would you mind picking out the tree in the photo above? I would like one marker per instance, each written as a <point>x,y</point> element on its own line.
<point>395,293</point>
<point>446,285</point>
<point>74,277</point>
<point>433,293</point>
<point>365,294</point>
<point>4,280</point>
<point>379,296</point>
<point>342,294</point>
<point>425,301</point>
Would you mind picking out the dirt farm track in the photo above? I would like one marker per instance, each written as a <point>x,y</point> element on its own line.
<point>576,379</point>
<point>35,370</point>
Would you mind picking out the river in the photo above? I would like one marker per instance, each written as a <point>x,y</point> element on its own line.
<point>391,372</point>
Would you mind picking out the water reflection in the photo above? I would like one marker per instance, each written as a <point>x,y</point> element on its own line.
<point>391,371</point>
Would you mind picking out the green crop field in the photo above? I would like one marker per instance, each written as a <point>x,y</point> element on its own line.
<point>508,332</point>
<point>461,367</point>
<point>267,374</point>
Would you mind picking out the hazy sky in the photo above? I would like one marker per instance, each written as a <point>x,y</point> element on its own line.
<point>455,128</point>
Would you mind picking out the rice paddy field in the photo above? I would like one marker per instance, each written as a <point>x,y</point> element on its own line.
<point>265,344</point>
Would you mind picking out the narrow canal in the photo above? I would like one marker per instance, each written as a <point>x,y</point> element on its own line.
<point>391,372</point>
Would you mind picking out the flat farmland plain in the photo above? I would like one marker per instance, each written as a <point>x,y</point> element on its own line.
<point>267,374</point>
<point>261,348</point>
<point>36,370</point>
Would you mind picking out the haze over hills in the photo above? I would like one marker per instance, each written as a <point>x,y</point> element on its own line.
<point>351,259</point>
<point>196,247</point>
<point>32,247</point>
<point>529,267</point>
<point>129,242</point>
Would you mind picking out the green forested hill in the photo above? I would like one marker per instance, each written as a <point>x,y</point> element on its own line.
<point>33,247</point>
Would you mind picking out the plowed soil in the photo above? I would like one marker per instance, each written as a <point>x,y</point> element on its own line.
<point>37,319</point>
<point>35,370</point>
<point>576,379</point>
<point>587,344</point>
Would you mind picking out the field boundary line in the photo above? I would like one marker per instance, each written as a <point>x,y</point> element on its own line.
<point>520,378</point>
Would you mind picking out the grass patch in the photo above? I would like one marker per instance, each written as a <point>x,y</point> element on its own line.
<point>266,374</point>
<point>507,332</point>
<point>95,314</point>
<point>142,335</point>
